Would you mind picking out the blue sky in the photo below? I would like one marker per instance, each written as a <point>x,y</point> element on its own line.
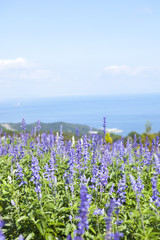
<point>85,47</point>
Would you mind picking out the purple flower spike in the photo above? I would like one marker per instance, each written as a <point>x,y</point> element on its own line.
<point>23,125</point>
<point>109,214</point>
<point>133,183</point>
<point>2,237</point>
<point>157,164</point>
<point>69,237</point>
<point>38,126</point>
<point>104,127</point>
<point>35,176</point>
<point>20,174</point>
<point>83,211</point>
<point>155,196</point>
<point>137,186</point>
<point>99,212</point>
<point>121,190</point>
<point>78,238</point>
<point>117,235</point>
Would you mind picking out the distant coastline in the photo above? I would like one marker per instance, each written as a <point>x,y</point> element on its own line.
<point>123,112</point>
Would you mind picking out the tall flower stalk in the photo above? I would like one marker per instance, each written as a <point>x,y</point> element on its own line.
<point>35,176</point>
<point>83,211</point>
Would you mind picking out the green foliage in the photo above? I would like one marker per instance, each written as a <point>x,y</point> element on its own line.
<point>148,127</point>
<point>49,217</point>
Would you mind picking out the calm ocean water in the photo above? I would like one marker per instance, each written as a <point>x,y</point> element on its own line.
<point>128,113</point>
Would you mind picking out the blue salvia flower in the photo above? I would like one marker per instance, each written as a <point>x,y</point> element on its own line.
<point>94,175</point>
<point>78,154</point>
<point>133,183</point>
<point>47,173</point>
<point>83,210</point>
<point>121,190</point>
<point>2,237</point>
<point>135,142</point>
<point>61,136</point>
<point>35,176</point>
<point>104,128</point>
<point>153,146</point>
<point>51,139</point>
<point>50,173</point>
<point>116,236</point>
<point>111,190</point>
<point>112,205</point>
<point>85,151</point>
<point>137,186</point>
<point>20,152</point>
<point>140,186</point>
<point>157,164</point>
<point>141,146</point>
<point>78,238</point>
<point>157,143</point>
<point>20,174</point>
<point>23,124</point>
<point>77,132</point>
<point>147,144</point>
<point>69,237</point>
<point>103,177</point>
<point>155,196</point>
<point>38,126</point>
<point>99,211</point>
<point>93,161</point>
<point>52,168</point>
<point>121,149</point>
<point>71,162</point>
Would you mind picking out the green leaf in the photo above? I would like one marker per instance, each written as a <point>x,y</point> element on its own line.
<point>68,229</point>
<point>30,236</point>
<point>39,226</point>
<point>49,236</point>
<point>22,218</point>
<point>93,231</point>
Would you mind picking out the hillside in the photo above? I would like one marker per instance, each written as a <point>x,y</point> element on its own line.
<point>67,127</point>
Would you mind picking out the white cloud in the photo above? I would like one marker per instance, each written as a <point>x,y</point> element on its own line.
<point>9,64</point>
<point>132,71</point>
<point>24,71</point>
<point>115,69</point>
<point>19,77</point>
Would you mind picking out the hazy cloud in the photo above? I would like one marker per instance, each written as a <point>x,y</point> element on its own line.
<point>9,64</point>
<point>132,71</point>
<point>19,69</point>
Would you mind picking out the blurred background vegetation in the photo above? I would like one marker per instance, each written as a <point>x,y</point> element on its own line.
<point>77,130</point>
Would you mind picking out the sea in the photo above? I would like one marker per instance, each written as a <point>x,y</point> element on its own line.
<point>126,113</point>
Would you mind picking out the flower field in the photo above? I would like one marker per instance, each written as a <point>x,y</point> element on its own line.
<point>83,189</point>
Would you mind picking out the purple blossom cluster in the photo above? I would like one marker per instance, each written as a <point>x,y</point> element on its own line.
<point>20,174</point>
<point>35,176</point>
<point>83,210</point>
<point>121,190</point>
<point>155,197</point>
